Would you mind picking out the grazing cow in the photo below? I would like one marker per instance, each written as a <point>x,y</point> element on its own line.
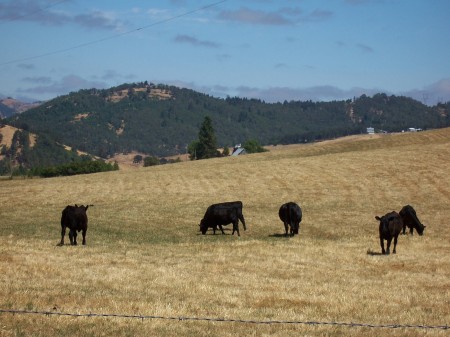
<point>75,219</point>
<point>223,214</point>
<point>410,219</point>
<point>390,227</point>
<point>291,215</point>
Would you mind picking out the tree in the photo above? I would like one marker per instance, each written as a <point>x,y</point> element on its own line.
<point>192,150</point>
<point>137,159</point>
<point>206,146</point>
<point>252,146</point>
<point>151,161</point>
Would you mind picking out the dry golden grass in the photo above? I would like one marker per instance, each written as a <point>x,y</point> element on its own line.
<point>144,254</point>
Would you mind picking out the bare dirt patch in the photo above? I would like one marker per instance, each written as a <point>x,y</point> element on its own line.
<point>79,117</point>
<point>8,133</point>
<point>125,161</point>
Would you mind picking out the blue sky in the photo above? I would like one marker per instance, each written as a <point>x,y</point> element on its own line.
<point>273,50</point>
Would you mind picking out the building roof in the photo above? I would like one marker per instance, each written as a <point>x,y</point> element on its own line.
<point>238,151</point>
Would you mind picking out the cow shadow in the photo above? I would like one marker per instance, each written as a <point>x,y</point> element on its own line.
<point>372,253</point>
<point>218,232</point>
<point>280,235</point>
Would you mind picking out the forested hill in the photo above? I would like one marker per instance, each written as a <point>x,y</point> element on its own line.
<point>162,120</point>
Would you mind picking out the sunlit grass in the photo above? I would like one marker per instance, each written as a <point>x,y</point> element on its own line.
<point>145,255</point>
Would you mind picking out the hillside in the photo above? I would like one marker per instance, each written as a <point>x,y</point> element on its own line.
<point>146,262</point>
<point>23,152</point>
<point>162,120</point>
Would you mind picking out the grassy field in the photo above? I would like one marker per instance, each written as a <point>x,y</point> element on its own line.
<point>145,255</point>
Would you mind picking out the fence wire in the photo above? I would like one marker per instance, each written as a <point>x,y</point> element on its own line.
<point>227,320</point>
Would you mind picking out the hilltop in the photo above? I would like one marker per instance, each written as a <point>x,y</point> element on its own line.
<point>10,106</point>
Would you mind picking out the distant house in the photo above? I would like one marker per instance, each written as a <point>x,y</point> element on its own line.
<point>238,150</point>
<point>414,129</point>
<point>370,131</point>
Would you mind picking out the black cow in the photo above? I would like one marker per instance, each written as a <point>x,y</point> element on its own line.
<point>75,219</point>
<point>410,219</point>
<point>390,227</point>
<point>223,214</point>
<point>291,215</point>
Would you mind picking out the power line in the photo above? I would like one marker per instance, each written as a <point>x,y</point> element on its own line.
<point>172,18</point>
<point>32,13</point>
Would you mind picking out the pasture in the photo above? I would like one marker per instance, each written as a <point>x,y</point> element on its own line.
<point>146,256</point>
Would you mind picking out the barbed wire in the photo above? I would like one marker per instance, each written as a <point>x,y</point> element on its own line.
<point>228,320</point>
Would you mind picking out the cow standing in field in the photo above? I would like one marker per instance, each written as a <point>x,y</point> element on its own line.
<point>223,214</point>
<point>291,215</point>
<point>390,227</point>
<point>75,219</point>
<point>410,219</point>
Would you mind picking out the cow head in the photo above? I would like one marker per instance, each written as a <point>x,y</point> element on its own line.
<point>295,228</point>
<point>203,227</point>
<point>384,222</point>
<point>420,229</point>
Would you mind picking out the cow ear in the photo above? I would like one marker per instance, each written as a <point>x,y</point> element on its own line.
<point>76,205</point>
<point>377,217</point>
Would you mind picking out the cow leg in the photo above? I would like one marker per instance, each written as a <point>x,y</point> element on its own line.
<point>84,236</point>
<point>236,228</point>
<point>404,230</point>
<point>221,228</point>
<point>63,233</point>
<point>71,236</point>
<point>382,246</point>
<point>241,217</point>
<point>286,227</point>
<point>411,230</point>
<point>395,244</point>
<point>388,246</point>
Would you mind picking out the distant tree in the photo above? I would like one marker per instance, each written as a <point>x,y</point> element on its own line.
<point>192,150</point>
<point>137,159</point>
<point>207,142</point>
<point>151,161</point>
<point>252,146</point>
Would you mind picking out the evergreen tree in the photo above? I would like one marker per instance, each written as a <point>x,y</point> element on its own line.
<point>207,141</point>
